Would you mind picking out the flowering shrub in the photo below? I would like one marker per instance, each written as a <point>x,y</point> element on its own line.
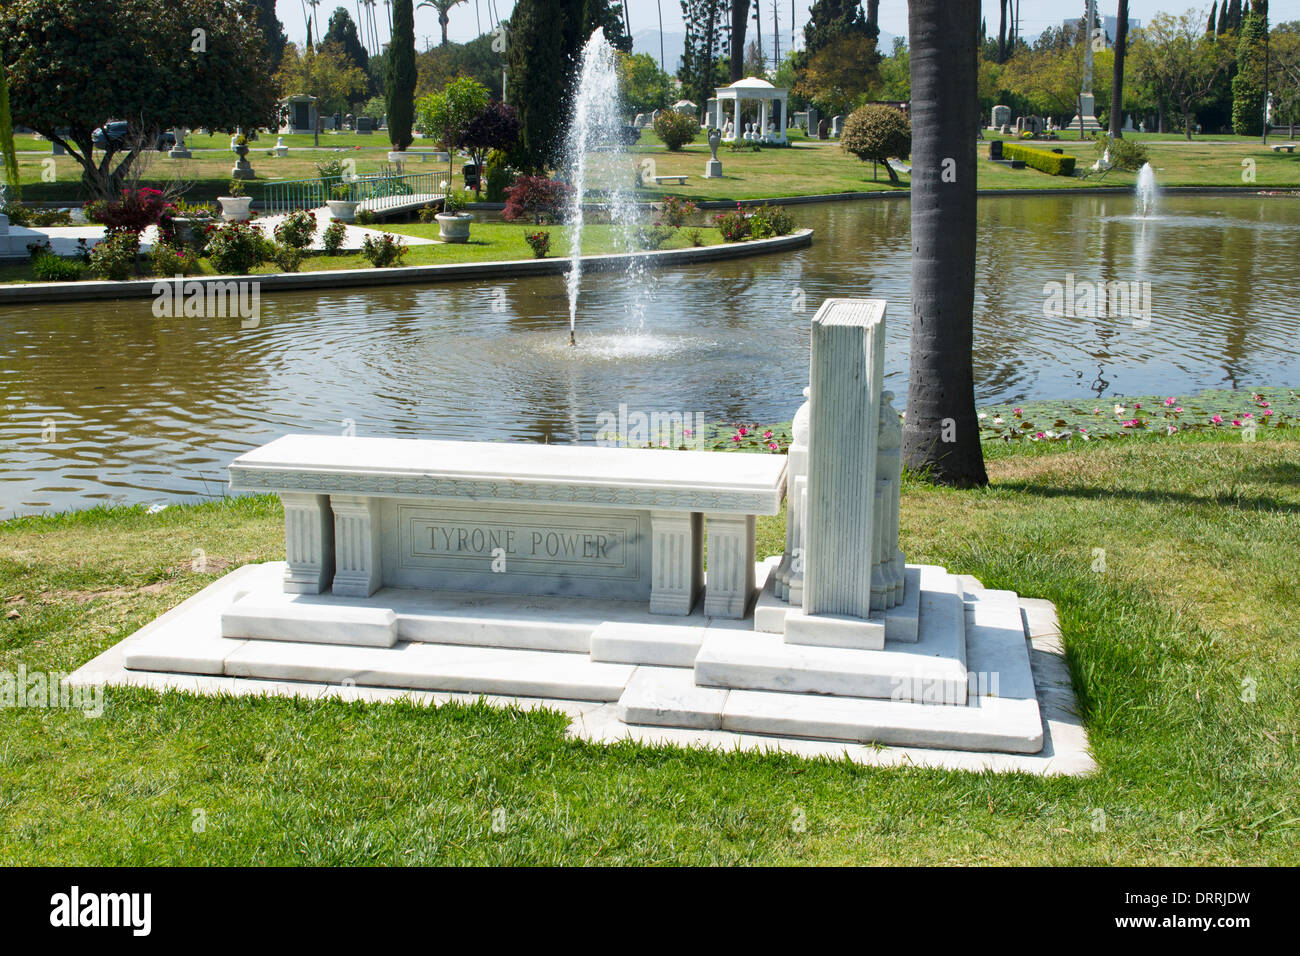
<point>768,221</point>
<point>167,259</point>
<point>676,129</point>
<point>539,242</point>
<point>333,236</point>
<point>296,230</point>
<point>384,251</point>
<point>535,196</point>
<point>135,212</point>
<point>676,211</point>
<point>733,225</point>
<point>286,257</point>
<point>235,248</point>
<point>114,258</point>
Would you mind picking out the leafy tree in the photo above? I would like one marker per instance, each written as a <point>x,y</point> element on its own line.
<point>445,115</point>
<point>342,31</point>
<point>642,86</point>
<point>840,72</point>
<point>74,64</point>
<point>544,40</point>
<point>442,64</point>
<point>706,35</point>
<point>828,20</point>
<point>7,136</point>
<point>273,30</point>
<point>444,9</point>
<point>941,434</point>
<point>608,16</point>
<point>1047,75</point>
<point>1248,85</point>
<point>399,91</point>
<point>896,73</point>
<point>1174,56</point>
<point>325,72</point>
<point>878,133</point>
<point>1285,58</point>
<point>496,127</point>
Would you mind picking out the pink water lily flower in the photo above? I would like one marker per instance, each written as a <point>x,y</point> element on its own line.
<point>1170,401</point>
<point>1237,422</point>
<point>1217,419</point>
<point>767,434</point>
<point>1267,412</point>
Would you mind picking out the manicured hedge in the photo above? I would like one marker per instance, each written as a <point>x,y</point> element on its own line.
<point>1056,164</point>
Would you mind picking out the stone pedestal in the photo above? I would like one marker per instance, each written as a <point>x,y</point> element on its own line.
<point>713,169</point>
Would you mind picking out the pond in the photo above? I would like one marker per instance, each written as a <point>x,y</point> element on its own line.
<point>146,409</point>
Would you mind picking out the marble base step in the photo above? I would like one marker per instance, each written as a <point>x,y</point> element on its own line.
<point>930,670</point>
<point>667,645</point>
<point>900,623</point>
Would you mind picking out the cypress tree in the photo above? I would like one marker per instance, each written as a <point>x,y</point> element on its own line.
<point>544,39</point>
<point>399,92</point>
<point>1248,84</point>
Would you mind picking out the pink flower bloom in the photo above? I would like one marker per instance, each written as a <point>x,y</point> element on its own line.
<point>1217,419</point>
<point>767,434</point>
<point>1015,411</point>
<point>1170,429</point>
<point>1040,435</point>
<point>1179,408</point>
<point>1267,412</point>
<point>772,445</point>
<point>1263,405</point>
<point>1170,401</point>
<point>735,438</point>
<point>1237,422</point>
<point>1137,405</point>
<point>742,430</point>
<point>1084,430</point>
<point>1248,415</point>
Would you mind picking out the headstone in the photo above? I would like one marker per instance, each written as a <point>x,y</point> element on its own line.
<point>837,124</point>
<point>995,149</point>
<point>1001,116</point>
<point>56,149</point>
<point>814,118</point>
<point>713,168</point>
<point>281,150</point>
<point>823,129</point>
<point>639,121</point>
<point>365,125</point>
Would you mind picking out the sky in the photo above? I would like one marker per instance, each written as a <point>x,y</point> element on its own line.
<point>468,17</point>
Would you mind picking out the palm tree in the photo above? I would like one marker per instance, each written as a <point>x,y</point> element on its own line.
<point>1117,84</point>
<point>442,6</point>
<point>940,432</point>
<point>739,22</point>
<point>315,18</point>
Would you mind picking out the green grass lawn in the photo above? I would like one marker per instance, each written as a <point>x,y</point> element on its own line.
<point>1184,654</point>
<point>490,241</point>
<point>805,168</point>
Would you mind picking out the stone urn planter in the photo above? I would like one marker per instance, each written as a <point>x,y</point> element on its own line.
<point>243,169</point>
<point>191,232</point>
<point>454,227</point>
<point>343,209</point>
<point>236,208</point>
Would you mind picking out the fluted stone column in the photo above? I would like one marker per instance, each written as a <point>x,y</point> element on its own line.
<point>358,561</point>
<point>730,584</point>
<point>677,561</point>
<point>844,428</point>
<point>796,473</point>
<point>308,543</point>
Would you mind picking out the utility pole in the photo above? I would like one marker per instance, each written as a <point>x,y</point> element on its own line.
<point>776,33</point>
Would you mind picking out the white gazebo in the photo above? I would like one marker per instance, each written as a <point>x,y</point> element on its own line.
<point>763,97</point>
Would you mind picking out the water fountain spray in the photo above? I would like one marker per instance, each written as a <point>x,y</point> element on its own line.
<point>595,158</point>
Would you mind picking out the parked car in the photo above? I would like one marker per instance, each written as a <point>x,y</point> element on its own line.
<point>118,134</point>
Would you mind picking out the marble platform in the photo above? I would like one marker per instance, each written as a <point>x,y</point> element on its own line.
<point>622,673</point>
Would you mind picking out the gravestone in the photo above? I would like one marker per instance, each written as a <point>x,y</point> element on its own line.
<point>814,118</point>
<point>836,125</point>
<point>365,125</point>
<point>1001,116</point>
<point>823,129</point>
<point>995,150</point>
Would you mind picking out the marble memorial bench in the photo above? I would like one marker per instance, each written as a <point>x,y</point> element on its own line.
<point>660,180</point>
<point>570,520</point>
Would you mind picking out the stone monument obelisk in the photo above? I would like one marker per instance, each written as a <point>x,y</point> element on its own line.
<point>1087,118</point>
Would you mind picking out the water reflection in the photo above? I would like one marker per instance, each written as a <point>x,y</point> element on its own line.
<point>142,408</point>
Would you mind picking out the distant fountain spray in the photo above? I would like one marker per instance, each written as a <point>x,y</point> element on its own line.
<point>595,158</point>
<point>1146,190</point>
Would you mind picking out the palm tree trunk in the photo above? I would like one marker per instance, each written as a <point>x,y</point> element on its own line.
<point>1002,32</point>
<point>940,432</point>
<point>1117,84</point>
<point>739,21</point>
